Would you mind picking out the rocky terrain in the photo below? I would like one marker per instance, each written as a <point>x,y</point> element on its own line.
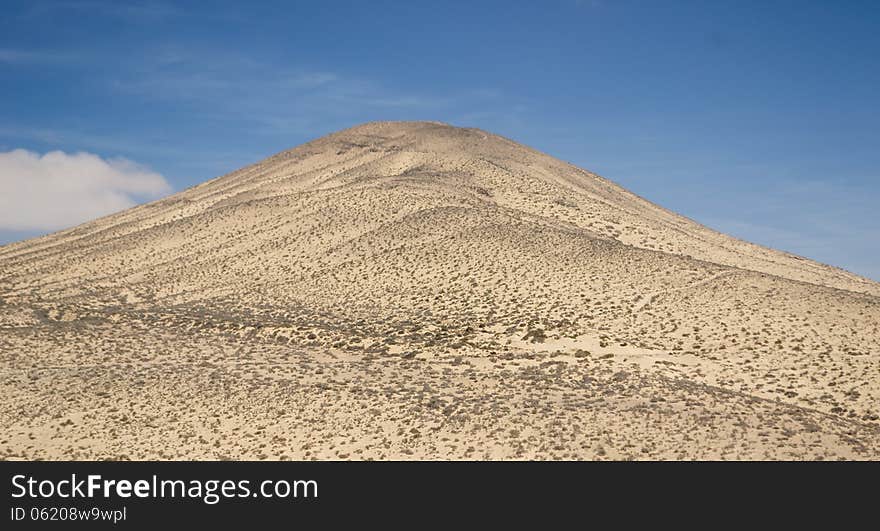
<point>413,290</point>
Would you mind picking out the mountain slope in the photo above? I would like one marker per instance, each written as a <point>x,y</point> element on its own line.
<point>442,280</point>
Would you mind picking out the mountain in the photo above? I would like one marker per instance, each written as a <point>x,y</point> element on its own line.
<point>417,290</point>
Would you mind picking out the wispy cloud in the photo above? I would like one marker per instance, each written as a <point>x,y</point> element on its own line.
<point>133,11</point>
<point>107,143</point>
<point>270,97</point>
<point>827,220</point>
<point>36,57</point>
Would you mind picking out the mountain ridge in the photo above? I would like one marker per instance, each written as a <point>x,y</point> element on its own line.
<point>399,131</point>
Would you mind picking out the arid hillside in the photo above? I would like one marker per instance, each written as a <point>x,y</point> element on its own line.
<point>413,290</point>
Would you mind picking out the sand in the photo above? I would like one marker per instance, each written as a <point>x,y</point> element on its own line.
<point>412,290</point>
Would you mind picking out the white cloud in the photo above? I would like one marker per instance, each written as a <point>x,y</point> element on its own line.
<point>57,190</point>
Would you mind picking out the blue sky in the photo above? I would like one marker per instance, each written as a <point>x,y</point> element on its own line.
<point>759,119</point>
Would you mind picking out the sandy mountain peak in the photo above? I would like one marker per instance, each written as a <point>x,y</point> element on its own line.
<point>417,266</point>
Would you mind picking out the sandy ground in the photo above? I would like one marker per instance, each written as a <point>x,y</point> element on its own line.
<point>419,291</point>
